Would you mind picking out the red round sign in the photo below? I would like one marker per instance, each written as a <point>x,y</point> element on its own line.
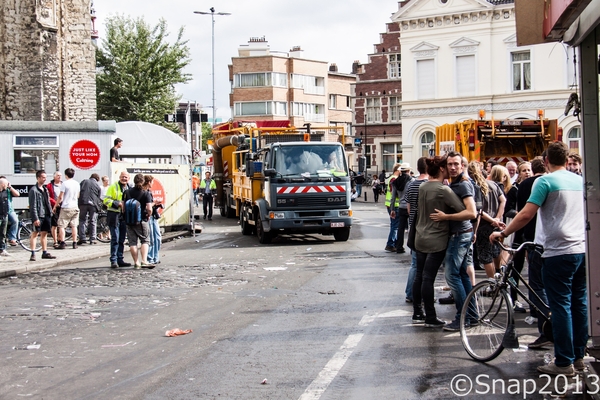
<point>84,154</point>
<point>158,193</point>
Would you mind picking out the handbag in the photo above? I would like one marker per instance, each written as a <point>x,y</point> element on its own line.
<point>412,232</point>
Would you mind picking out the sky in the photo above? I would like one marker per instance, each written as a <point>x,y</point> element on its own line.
<point>335,31</point>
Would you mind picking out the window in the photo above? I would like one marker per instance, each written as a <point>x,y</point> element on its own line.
<point>521,71</point>
<point>310,84</point>
<point>374,109</point>
<point>333,101</point>
<point>261,108</point>
<point>310,112</point>
<point>394,66</point>
<point>425,79</point>
<point>574,140</point>
<point>465,76</point>
<point>32,153</point>
<point>392,154</point>
<point>427,144</point>
<point>348,102</point>
<point>394,109</point>
<point>260,79</point>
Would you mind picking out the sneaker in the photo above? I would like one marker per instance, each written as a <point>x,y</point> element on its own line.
<point>408,300</point>
<point>390,248</point>
<point>579,365</point>
<point>3,253</point>
<point>147,265</point>
<point>453,326</point>
<point>434,323</point>
<point>80,242</point>
<point>400,250</point>
<point>447,300</point>
<point>553,369</point>
<point>519,307</point>
<point>114,265</point>
<point>62,246</point>
<point>32,258</point>
<point>540,342</point>
<point>93,242</point>
<point>48,256</point>
<point>418,318</point>
<point>473,323</point>
<point>124,264</point>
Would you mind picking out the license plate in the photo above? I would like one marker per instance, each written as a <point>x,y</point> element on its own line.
<point>337,224</point>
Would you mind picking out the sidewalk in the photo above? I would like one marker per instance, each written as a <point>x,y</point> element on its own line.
<point>18,261</point>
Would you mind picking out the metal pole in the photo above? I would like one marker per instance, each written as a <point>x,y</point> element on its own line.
<point>212,13</point>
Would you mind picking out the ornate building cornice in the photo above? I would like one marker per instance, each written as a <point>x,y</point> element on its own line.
<point>489,107</point>
<point>447,20</point>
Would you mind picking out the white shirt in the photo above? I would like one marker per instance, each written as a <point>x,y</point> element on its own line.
<point>514,178</point>
<point>70,190</point>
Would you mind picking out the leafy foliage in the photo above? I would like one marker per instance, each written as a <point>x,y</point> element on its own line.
<point>137,69</point>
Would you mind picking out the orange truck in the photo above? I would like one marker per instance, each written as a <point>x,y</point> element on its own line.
<point>501,140</point>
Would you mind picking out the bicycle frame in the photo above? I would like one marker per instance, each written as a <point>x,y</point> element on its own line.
<point>505,281</point>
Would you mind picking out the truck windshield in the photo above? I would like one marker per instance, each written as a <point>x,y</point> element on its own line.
<point>306,160</point>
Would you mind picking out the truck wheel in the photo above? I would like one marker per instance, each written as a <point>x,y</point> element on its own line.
<point>223,210</point>
<point>246,227</point>
<point>341,234</point>
<point>263,237</point>
<point>230,212</point>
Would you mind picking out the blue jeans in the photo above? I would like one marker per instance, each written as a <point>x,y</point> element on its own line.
<point>411,275</point>
<point>359,189</point>
<point>118,231</point>
<point>13,225</point>
<point>565,283</point>
<point>456,268</point>
<point>534,261</point>
<point>391,242</point>
<point>155,241</point>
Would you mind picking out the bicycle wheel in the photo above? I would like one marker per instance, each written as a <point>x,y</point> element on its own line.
<point>24,232</point>
<point>485,318</point>
<point>102,229</point>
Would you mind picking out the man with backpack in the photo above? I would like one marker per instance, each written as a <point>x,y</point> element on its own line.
<point>114,202</point>
<point>137,209</point>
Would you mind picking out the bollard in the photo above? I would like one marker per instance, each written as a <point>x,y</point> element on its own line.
<point>365,195</point>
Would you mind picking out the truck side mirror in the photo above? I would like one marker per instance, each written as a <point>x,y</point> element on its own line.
<point>270,172</point>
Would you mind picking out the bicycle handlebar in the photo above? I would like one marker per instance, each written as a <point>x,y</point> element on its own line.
<point>513,251</point>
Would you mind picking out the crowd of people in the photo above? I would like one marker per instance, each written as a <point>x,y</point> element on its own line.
<point>456,212</point>
<point>61,203</point>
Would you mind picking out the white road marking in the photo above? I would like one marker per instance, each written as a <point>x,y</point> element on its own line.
<point>330,371</point>
<point>333,367</point>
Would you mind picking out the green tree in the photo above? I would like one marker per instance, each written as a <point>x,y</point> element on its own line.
<point>206,134</point>
<point>137,69</point>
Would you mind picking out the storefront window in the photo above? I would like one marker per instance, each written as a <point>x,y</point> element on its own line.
<point>32,153</point>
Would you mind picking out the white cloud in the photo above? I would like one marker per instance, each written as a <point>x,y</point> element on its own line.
<point>334,31</point>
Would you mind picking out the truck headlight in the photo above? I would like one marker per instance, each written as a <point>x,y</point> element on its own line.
<point>346,213</point>
<point>276,215</point>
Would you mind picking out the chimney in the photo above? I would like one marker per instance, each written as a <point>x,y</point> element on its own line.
<point>356,67</point>
<point>295,52</point>
<point>257,46</point>
<point>333,67</point>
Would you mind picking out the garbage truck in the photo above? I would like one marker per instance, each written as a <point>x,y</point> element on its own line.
<point>500,140</point>
<point>279,179</point>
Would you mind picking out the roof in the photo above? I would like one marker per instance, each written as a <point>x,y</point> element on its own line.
<point>146,139</point>
<point>498,2</point>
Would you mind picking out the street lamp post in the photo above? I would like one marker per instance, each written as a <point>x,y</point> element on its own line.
<point>212,13</point>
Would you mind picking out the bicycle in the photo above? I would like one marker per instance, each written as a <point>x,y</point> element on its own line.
<point>487,324</point>
<point>24,233</point>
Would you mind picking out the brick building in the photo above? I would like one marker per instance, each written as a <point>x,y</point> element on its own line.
<point>378,94</point>
<point>47,61</point>
<point>284,86</point>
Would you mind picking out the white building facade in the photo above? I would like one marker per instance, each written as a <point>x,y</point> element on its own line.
<point>460,56</point>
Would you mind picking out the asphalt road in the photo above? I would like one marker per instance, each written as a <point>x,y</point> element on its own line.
<point>303,318</point>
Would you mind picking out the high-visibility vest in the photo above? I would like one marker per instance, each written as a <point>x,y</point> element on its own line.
<point>388,193</point>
